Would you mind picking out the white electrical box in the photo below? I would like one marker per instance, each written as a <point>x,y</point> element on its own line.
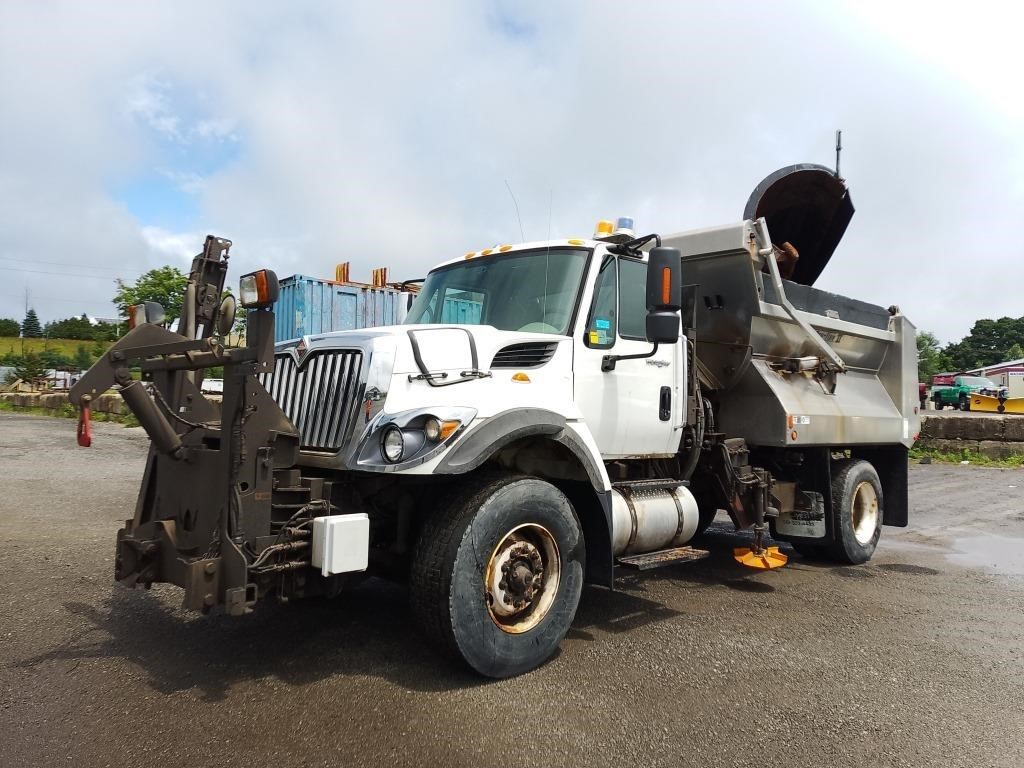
<point>341,543</point>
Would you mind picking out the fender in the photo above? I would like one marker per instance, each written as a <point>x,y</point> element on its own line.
<point>507,427</point>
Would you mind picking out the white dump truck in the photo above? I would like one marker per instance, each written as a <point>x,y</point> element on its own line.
<point>615,393</point>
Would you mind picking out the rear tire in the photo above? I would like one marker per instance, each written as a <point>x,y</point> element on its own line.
<point>856,512</point>
<point>498,572</point>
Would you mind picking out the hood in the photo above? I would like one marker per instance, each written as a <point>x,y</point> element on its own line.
<point>806,205</point>
<point>442,347</point>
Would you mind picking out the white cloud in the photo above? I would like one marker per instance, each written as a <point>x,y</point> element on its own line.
<point>148,101</point>
<point>383,134</point>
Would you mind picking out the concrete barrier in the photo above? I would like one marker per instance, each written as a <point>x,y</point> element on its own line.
<point>996,436</point>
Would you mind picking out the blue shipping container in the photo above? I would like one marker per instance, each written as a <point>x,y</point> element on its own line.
<point>460,311</point>
<point>309,305</point>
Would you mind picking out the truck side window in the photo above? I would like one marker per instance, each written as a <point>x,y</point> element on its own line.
<point>600,331</point>
<point>633,299</point>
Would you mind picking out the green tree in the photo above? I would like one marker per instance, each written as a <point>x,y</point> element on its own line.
<point>988,343</point>
<point>9,327</point>
<point>930,359</point>
<point>30,327</point>
<point>165,285</point>
<point>54,358</point>
<point>107,332</point>
<point>1016,352</point>
<point>71,328</point>
<point>83,359</point>
<point>31,369</point>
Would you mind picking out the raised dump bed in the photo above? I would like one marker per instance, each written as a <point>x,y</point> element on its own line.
<point>794,365</point>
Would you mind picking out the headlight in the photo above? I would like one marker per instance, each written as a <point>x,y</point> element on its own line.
<point>392,444</point>
<point>432,429</point>
<point>409,438</point>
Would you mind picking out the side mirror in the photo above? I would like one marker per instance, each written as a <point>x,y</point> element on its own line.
<point>664,295</point>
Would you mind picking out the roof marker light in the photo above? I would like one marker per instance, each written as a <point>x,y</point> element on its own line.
<point>505,248</point>
<point>486,251</point>
<point>575,241</point>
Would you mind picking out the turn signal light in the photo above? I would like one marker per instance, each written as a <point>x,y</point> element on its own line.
<point>258,290</point>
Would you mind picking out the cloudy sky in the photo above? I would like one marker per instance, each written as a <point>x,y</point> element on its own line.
<point>385,133</point>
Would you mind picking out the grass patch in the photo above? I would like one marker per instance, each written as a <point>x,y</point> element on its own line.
<point>67,347</point>
<point>975,458</point>
<point>68,411</point>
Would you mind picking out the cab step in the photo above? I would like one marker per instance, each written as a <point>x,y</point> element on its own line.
<point>662,557</point>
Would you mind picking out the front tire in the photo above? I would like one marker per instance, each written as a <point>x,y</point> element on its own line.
<point>498,574</point>
<point>965,403</point>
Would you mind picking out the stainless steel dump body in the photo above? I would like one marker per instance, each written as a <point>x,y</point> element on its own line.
<point>774,384</point>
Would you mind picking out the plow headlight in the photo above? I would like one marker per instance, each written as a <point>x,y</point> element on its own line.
<point>258,290</point>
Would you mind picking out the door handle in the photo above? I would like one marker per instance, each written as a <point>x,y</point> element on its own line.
<point>665,404</point>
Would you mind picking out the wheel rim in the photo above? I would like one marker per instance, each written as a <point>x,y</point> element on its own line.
<point>864,514</point>
<point>522,577</point>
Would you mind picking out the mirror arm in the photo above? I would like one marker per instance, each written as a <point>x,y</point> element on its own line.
<point>608,361</point>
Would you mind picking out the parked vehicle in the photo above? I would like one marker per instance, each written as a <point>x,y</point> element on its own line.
<point>958,394</point>
<point>602,400</point>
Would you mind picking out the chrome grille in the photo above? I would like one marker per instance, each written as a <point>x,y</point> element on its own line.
<point>319,396</point>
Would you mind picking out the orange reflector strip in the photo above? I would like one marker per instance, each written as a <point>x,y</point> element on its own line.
<point>789,420</point>
<point>666,285</point>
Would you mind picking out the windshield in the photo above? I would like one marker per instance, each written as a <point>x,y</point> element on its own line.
<point>532,291</point>
<point>977,381</point>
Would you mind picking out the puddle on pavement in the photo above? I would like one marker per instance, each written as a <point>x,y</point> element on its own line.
<point>999,554</point>
<point>1002,554</point>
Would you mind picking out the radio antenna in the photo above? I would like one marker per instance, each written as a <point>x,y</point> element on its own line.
<point>516,204</point>
<point>839,148</point>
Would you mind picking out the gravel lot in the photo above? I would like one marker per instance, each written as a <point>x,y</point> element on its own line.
<point>914,659</point>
